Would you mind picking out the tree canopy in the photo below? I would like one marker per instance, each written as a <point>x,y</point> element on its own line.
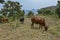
<point>30,13</point>
<point>11,8</point>
<point>58,9</point>
<point>1,1</point>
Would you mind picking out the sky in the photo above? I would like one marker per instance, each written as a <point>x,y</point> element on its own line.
<point>34,4</point>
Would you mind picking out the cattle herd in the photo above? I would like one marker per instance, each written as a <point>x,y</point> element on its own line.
<point>34,20</point>
<point>37,20</point>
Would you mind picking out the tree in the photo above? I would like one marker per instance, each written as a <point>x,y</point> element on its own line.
<point>11,8</point>
<point>30,13</point>
<point>58,9</point>
<point>2,1</point>
<point>40,11</point>
<point>44,11</point>
<point>47,11</point>
<point>22,13</point>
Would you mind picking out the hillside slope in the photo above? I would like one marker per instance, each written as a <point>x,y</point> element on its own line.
<point>24,31</point>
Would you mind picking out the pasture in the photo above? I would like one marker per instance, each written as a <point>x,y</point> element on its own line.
<point>17,31</point>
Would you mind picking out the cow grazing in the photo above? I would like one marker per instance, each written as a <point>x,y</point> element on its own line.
<point>3,20</point>
<point>22,19</point>
<point>40,21</point>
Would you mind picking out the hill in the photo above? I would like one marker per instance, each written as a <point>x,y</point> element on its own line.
<point>52,8</point>
<point>17,31</point>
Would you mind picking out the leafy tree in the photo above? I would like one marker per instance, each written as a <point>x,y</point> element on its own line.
<point>30,13</point>
<point>40,11</point>
<point>44,11</point>
<point>11,8</point>
<point>22,13</point>
<point>58,9</point>
<point>2,1</point>
<point>47,11</point>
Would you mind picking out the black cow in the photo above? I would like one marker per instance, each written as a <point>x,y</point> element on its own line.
<point>22,19</point>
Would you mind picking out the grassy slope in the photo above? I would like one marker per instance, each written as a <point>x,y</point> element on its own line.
<point>11,31</point>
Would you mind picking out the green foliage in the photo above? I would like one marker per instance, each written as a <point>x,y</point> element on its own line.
<point>40,11</point>
<point>14,25</point>
<point>1,16</point>
<point>17,24</point>
<point>1,1</point>
<point>58,9</point>
<point>30,13</point>
<point>45,11</point>
<point>22,13</point>
<point>11,19</point>
<point>12,9</point>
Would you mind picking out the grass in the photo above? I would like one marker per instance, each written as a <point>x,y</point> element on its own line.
<point>16,31</point>
<point>15,24</point>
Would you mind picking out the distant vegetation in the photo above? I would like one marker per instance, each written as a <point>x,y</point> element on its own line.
<point>48,10</point>
<point>52,10</point>
<point>30,13</point>
<point>13,9</point>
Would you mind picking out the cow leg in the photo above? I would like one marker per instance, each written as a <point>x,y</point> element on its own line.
<point>7,21</point>
<point>40,26</point>
<point>23,21</point>
<point>32,25</point>
<point>46,28</point>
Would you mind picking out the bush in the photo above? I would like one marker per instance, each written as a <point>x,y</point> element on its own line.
<point>47,12</point>
<point>58,9</point>
<point>30,13</point>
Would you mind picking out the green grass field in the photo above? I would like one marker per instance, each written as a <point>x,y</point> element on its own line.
<point>17,31</point>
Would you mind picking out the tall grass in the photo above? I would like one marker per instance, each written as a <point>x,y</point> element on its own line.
<point>11,25</point>
<point>15,24</point>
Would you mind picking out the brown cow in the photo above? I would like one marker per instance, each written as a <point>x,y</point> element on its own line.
<point>3,20</point>
<point>40,21</point>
